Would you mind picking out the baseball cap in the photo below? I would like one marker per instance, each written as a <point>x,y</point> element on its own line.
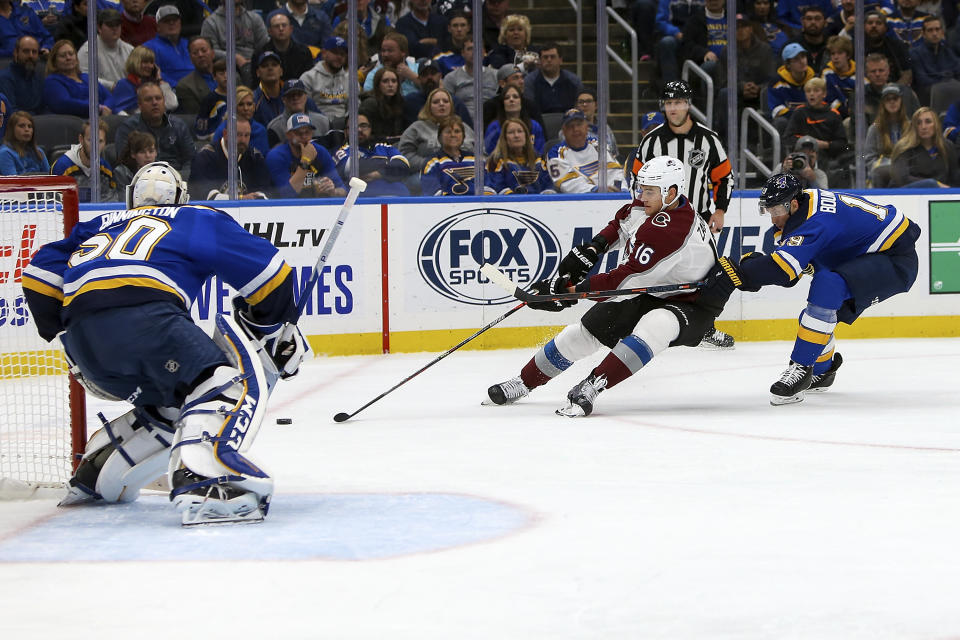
<point>266,55</point>
<point>805,142</point>
<point>335,42</point>
<point>792,50</point>
<point>506,71</point>
<point>651,119</point>
<point>890,89</point>
<point>428,66</point>
<point>167,11</point>
<point>109,16</point>
<point>292,85</point>
<point>299,120</point>
<point>571,115</point>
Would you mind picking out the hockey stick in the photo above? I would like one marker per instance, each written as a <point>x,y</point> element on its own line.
<point>356,186</point>
<point>500,279</point>
<point>340,417</point>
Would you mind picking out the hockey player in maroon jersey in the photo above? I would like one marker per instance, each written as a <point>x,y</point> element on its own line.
<point>665,242</point>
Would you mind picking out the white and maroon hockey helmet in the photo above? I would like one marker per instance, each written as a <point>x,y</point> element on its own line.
<point>663,172</point>
<point>156,183</point>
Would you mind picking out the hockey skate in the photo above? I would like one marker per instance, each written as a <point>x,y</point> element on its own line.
<point>790,388</point>
<point>203,500</point>
<point>581,398</point>
<point>823,381</point>
<point>507,392</point>
<point>715,340</point>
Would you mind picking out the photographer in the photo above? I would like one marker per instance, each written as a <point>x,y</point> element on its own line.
<point>802,162</point>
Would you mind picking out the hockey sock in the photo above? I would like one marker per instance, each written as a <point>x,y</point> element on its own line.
<point>825,361</point>
<point>653,333</point>
<point>555,357</point>
<point>814,336</point>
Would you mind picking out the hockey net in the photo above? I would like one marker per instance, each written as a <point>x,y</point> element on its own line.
<point>42,414</point>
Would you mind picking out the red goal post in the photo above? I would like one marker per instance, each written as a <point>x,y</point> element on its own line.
<point>42,409</point>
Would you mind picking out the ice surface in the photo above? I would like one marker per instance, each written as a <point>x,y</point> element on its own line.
<point>685,507</point>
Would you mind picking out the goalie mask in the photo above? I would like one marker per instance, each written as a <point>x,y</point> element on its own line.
<point>156,184</point>
<point>663,172</point>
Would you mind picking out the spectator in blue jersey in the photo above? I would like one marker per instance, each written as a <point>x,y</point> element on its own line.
<point>458,33</point>
<point>174,141</point>
<point>21,81</point>
<point>510,105</point>
<point>302,168</point>
<point>430,79</point>
<point>840,73</point>
<point>196,85</point>
<point>776,33</point>
<point>139,150</point>
<point>19,153</point>
<point>420,141</point>
<point>295,58</point>
<point>141,67</point>
<point>112,52</point>
<point>213,106</point>
<point>172,50</point>
<point>75,163</point>
<point>49,11</point>
<point>208,171</point>
<point>17,20</point>
<point>922,158</point>
<point>311,26</point>
<point>394,52</point>
<point>672,15</point>
<point>786,94</point>
<point>791,11</point>
<point>384,109</point>
<point>515,167</point>
<point>381,165</point>
<point>705,35</point>
<point>932,60</point>
<point>515,45</point>
<point>270,85</point>
<point>295,100</point>
<point>423,28</point>
<point>373,24</point>
<point>553,89</point>
<point>246,107</point>
<point>907,22</point>
<point>65,89</point>
<point>451,172</point>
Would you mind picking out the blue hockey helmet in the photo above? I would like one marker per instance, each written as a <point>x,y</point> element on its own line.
<point>779,189</point>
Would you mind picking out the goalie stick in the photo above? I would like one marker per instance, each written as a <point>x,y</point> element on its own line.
<point>500,279</point>
<point>340,417</point>
<point>356,186</point>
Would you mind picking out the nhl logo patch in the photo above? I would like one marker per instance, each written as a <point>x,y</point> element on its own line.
<point>172,366</point>
<point>696,158</point>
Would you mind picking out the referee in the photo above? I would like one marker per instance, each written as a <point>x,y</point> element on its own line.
<point>709,183</point>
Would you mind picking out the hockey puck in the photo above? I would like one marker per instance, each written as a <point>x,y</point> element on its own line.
<point>284,420</point>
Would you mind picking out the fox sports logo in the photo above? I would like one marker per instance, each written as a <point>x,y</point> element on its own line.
<point>452,252</point>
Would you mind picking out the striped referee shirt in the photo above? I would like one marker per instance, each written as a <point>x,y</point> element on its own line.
<point>709,183</point>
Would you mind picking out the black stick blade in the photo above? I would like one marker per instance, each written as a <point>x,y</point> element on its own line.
<point>340,417</point>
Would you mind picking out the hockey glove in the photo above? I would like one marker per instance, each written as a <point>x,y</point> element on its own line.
<point>556,284</point>
<point>578,263</point>
<point>281,342</point>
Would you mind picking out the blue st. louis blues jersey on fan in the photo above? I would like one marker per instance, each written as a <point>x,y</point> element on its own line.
<point>163,253</point>
<point>836,228</point>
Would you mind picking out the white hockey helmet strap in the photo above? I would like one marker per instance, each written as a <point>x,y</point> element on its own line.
<point>662,172</point>
<point>156,183</point>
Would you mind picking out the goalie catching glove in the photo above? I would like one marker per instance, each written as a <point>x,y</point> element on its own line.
<point>282,342</point>
<point>556,284</point>
<point>578,263</point>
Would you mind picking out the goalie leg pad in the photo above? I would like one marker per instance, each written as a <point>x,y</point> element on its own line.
<point>123,456</point>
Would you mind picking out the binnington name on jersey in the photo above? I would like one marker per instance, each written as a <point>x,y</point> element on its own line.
<point>113,217</point>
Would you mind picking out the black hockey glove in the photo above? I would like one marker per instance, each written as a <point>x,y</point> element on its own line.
<point>556,284</point>
<point>578,263</point>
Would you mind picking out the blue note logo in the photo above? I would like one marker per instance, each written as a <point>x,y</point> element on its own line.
<point>451,253</point>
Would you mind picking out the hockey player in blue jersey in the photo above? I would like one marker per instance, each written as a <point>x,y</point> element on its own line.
<point>117,292</point>
<point>859,253</point>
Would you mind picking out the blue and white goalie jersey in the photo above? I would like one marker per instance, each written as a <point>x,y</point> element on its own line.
<point>125,258</point>
<point>835,228</point>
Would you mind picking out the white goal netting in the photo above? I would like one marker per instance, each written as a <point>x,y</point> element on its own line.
<point>36,441</point>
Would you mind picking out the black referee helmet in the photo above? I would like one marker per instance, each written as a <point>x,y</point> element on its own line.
<point>675,90</point>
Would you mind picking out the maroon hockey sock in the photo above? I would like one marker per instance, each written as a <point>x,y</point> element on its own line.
<point>532,376</point>
<point>614,369</point>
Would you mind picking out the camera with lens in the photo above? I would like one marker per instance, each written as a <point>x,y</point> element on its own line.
<point>798,161</point>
